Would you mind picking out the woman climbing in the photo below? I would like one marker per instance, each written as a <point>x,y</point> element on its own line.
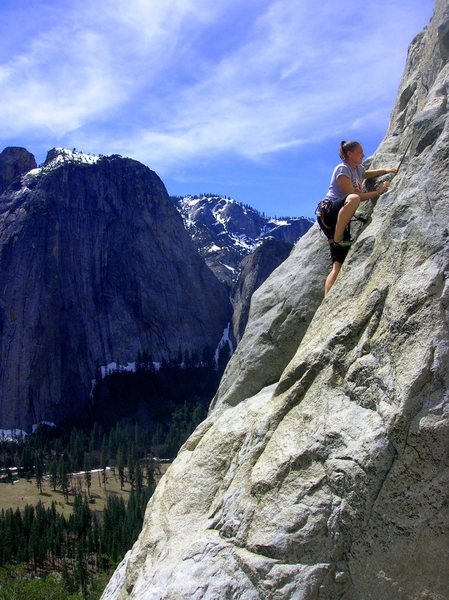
<point>342,200</point>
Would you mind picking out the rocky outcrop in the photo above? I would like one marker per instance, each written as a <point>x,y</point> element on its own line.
<point>95,266</point>
<point>255,268</point>
<point>14,162</point>
<point>327,477</point>
<point>280,313</point>
<point>225,231</point>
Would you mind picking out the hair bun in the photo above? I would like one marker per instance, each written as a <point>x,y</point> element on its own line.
<point>346,147</point>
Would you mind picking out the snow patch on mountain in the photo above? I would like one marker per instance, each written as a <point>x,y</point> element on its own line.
<point>225,231</point>
<point>60,156</point>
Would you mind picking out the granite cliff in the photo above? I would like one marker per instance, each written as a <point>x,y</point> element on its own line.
<point>95,266</point>
<point>322,470</point>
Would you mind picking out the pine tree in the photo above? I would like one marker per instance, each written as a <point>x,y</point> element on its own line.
<point>68,580</point>
<point>149,471</point>
<point>112,446</point>
<point>131,475</point>
<point>121,468</point>
<point>39,470</point>
<point>63,478</point>
<point>87,472</point>
<point>139,477</point>
<point>104,477</point>
<point>132,465</point>
<point>25,462</point>
<point>54,474</point>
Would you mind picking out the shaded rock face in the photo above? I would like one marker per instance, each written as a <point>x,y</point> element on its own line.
<point>14,162</point>
<point>255,268</point>
<point>95,266</point>
<point>332,482</point>
<point>226,231</point>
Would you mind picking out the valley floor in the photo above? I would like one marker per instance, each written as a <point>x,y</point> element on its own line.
<point>24,491</point>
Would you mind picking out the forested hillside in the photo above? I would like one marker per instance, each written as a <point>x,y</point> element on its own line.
<point>70,538</point>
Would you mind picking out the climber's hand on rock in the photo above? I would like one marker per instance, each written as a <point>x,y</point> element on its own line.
<point>383,187</point>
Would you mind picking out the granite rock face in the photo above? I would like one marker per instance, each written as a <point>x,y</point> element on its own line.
<point>14,162</point>
<point>255,268</point>
<point>95,266</point>
<point>326,475</point>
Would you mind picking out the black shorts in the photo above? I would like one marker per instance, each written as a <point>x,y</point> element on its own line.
<point>327,214</point>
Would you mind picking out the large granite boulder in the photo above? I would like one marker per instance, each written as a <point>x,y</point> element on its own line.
<point>322,472</point>
<point>95,266</point>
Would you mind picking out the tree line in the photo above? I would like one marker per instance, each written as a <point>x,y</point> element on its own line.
<point>134,416</point>
<point>78,546</point>
<point>85,543</point>
<point>150,411</point>
<point>165,398</point>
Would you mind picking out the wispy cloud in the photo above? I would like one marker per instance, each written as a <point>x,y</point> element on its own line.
<point>296,76</point>
<point>94,61</point>
<point>174,81</point>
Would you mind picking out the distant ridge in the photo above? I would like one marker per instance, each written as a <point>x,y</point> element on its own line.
<point>225,231</point>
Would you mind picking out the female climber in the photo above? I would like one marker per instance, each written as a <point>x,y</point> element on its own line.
<point>342,200</point>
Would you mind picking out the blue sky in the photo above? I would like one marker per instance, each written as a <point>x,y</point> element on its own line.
<point>248,99</point>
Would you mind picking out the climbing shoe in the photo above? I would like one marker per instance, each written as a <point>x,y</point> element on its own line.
<point>343,244</point>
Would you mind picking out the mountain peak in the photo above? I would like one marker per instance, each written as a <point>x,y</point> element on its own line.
<point>225,231</point>
<point>58,156</point>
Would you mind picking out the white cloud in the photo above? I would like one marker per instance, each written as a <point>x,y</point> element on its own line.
<point>139,78</point>
<point>292,81</point>
<point>94,61</point>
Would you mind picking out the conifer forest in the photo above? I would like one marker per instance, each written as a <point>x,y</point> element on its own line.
<point>137,422</point>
